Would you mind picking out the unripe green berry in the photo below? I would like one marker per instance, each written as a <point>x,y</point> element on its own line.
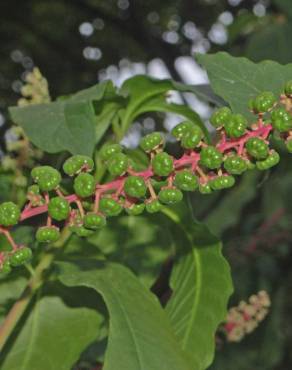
<point>192,138</point>
<point>271,161</point>
<point>135,209</point>
<point>220,116</point>
<point>181,129</point>
<point>236,125</point>
<point>9,214</point>
<point>151,141</point>
<point>205,188</point>
<point>170,195</point>
<point>288,88</point>
<point>186,180</point>
<point>20,256</point>
<point>47,234</point>
<point>118,164</point>
<point>94,221</point>
<point>211,157</point>
<point>162,164</point>
<point>257,148</point>
<point>264,102</point>
<point>281,120</point>
<point>153,206</point>
<point>222,182</point>
<point>135,186</point>
<point>77,163</point>
<point>81,231</point>
<point>109,150</point>
<point>235,165</point>
<point>289,145</point>
<point>47,177</point>
<point>110,207</point>
<point>84,185</point>
<point>5,268</point>
<point>58,208</point>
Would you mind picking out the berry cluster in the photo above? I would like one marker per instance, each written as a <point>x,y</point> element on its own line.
<point>202,166</point>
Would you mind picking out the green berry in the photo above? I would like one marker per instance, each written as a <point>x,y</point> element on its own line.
<point>47,234</point>
<point>257,148</point>
<point>109,150</point>
<point>186,180</point>
<point>236,125</point>
<point>151,141</point>
<point>153,206</point>
<point>288,88</point>
<point>58,208</point>
<point>81,231</point>
<point>77,163</point>
<point>264,102</point>
<point>84,185</point>
<point>235,165</point>
<point>135,186</point>
<point>181,129</point>
<point>94,221</point>
<point>5,268</point>
<point>289,145</point>
<point>48,178</point>
<point>20,256</point>
<point>170,195</point>
<point>271,161</point>
<point>220,116</point>
<point>192,138</point>
<point>211,157</point>
<point>135,209</point>
<point>281,120</point>
<point>118,164</point>
<point>162,164</point>
<point>205,188</point>
<point>9,214</point>
<point>222,182</point>
<point>110,207</point>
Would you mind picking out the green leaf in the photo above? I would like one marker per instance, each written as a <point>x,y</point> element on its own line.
<point>53,335</point>
<point>237,80</point>
<point>201,285</point>
<point>203,92</point>
<point>140,336</point>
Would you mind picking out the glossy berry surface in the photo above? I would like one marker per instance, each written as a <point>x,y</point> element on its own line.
<point>94,221</point>
<point>235,165</point>
<point>220,116</point>
<point>110,207</point>
<point>181,129</point>
<point>153,206</point>
<point>58,208</point>
<point>205,188</point>
<point>135,186</point>
<point>236,125</point>
<point>84,185</point>
<point>211,157</point>
<point>151,141</point>
<point>222,182</point>
<point>264,102</point>
<point>46,177</point>
<point>271,161</point>
<point>192,137</point>
<point>135,209</point>
<point>257,148</point>
<point>9,214</point>
<point>186,180</point>
<point>170,195</point>
<point>76,163</point>
<point>162,164</point>
<point>20,256</point>
<point>47,234</point>
<point>81,231</point>
<point>118,164</point>
<point>281,120</point>
<point>5,268</point>
<point>109,150</point>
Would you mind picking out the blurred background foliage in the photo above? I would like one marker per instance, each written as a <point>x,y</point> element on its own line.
<point>80,42</point>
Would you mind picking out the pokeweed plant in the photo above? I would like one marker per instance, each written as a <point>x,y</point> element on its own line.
<point>70,206</point>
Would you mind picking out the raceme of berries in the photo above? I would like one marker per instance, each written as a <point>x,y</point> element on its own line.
<point>203,166</point>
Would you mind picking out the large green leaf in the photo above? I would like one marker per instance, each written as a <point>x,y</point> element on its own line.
<point>201,285</point>
<point>237,80</point>
<point>53,334</point>
<point>140,336</point>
